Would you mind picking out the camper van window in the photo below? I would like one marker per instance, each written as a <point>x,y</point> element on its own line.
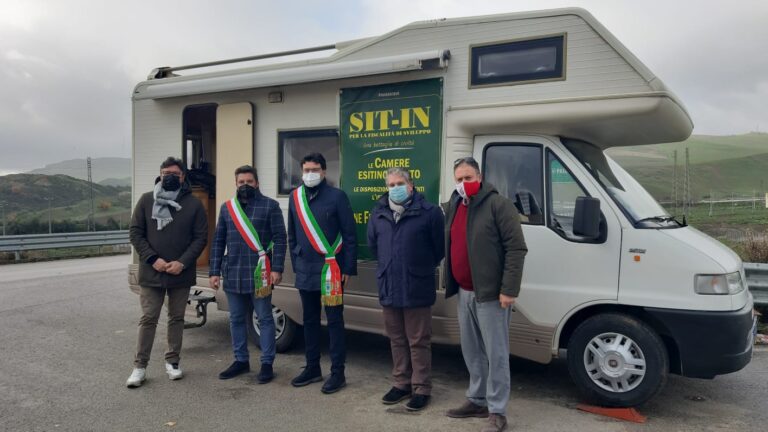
<point>563,190</point>
<point>294,145</point>
<point>515,171</point>
<point>518,61</point>
<point>635,202</point>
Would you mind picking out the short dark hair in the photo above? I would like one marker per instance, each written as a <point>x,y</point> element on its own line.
<point>245,169</point>
<point>173,161</point>
<point>314,157</point>
<point>469,160</point>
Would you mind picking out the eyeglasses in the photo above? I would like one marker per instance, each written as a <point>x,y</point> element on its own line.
<point>469,160</point>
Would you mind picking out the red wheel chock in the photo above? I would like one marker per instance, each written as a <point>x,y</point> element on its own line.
<point>626,414</point>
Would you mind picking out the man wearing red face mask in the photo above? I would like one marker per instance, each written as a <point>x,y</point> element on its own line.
<point>485,251</point>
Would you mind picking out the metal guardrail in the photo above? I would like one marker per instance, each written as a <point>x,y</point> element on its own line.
<point>757,281</point>
<point>18,243</point>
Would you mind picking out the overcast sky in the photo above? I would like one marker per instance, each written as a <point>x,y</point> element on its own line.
<point>67,67</point>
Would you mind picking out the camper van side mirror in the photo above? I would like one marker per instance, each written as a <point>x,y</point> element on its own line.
<point>586,218</point>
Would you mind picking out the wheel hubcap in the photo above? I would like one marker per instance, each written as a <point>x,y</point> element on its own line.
<point>279,317</point>
<point>614,362</point>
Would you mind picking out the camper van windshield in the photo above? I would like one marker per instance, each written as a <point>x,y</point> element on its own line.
<point>635,201</point>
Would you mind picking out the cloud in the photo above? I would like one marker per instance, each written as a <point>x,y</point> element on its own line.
<point>67,69</point>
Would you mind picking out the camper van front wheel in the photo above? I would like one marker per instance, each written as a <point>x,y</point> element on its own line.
<point>285,329</point>
<point>616,360</point>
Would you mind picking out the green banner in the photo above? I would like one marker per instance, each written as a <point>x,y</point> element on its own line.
<point>558,173</point>
<point>386,126</point>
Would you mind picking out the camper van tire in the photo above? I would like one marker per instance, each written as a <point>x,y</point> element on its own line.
<point>285,329</point>
<point>616,360</point>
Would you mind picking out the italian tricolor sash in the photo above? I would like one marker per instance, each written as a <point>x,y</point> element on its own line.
<point>261,274</point>
<point>330,277</point>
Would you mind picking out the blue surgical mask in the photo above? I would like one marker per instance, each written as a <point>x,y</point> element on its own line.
<point>398,194</point>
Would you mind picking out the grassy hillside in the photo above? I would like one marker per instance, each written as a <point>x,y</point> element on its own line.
<point>25,199</point>
<point>725,165</point>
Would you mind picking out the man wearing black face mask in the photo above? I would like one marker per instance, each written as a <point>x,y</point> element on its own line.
<point>169,230</point>
<point>252,231</point>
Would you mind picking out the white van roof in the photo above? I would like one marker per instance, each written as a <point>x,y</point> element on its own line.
<point>640,113</point>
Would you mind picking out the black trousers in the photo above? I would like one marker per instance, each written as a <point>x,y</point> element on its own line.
<point>310,302</point>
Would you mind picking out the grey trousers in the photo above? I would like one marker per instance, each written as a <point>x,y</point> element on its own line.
<point>484,330</point>
<point>151,300</point>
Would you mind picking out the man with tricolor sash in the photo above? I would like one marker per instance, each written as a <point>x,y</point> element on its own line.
<point>252,232</point>
<point>322,240</point>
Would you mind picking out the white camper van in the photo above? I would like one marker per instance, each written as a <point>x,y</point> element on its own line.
<point>629,292</point>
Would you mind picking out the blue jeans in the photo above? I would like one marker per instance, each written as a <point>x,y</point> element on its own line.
<point>310,302</point>
<point>240,305</point>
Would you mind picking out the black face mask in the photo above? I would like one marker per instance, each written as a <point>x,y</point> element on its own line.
<point>171,182</point>
<point>246,192</point>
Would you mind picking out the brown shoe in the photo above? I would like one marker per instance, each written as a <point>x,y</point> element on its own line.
<point>468,409</point>
<point>496,423</point>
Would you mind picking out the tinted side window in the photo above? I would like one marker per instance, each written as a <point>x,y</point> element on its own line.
<point>516,172</point>
<point>563,191</point>
<point>294,145</point>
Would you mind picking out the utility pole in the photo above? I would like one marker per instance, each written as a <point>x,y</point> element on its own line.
<point>91,221</point>
<point>2,205</point>
<point>687,185</point>
<point>49,199</point>
<point>711,201</point>
<point>674,184</point>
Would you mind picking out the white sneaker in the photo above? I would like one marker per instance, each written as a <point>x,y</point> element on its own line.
<point>137,378</point>
<point>173,371</point>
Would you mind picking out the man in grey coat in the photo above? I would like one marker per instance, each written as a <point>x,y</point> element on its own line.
<point>485,251</point>
<point>169,230</point>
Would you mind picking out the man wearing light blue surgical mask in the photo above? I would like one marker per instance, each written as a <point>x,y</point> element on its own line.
<point>405,234</point>
<point>400,194</point>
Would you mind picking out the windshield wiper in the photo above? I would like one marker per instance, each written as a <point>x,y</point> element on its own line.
<point>664,219</point>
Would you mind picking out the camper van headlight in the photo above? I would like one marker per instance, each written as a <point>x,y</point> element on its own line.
<point>719,284</point>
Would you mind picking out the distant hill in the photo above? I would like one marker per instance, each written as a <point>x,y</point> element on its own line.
<point>724,165</point>
<point>101,168</point>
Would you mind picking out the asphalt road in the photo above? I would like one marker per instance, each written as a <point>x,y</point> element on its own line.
<point>69,334</point>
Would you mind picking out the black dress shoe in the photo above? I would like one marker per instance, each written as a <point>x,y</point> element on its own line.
<point>308,376</point>
<point>265,374</point>
<point>395,395</point>
<point>235,369</point>
<point>335,383</point>
<point>417,402</point>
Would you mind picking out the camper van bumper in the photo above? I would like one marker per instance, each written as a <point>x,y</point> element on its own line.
<point>710,343</point>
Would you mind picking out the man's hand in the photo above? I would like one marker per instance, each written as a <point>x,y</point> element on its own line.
<point>276,278</point>
<point>160,265</point>
<point>174,268</point>
<point>345,279</point>
<point>506,301</point>
<point>214,281</point>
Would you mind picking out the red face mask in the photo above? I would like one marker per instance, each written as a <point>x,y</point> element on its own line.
<point>471,188</point>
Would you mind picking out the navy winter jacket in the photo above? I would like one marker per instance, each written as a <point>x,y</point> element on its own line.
<point>407,251</point>
<point>333,213</point>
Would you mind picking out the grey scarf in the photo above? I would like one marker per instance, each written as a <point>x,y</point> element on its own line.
<point>397,209</point>
<point>160,210</point>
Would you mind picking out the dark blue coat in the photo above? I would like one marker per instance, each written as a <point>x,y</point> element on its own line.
<point>333,213</point>
<point>407,252</point>
<point>238,264</point>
